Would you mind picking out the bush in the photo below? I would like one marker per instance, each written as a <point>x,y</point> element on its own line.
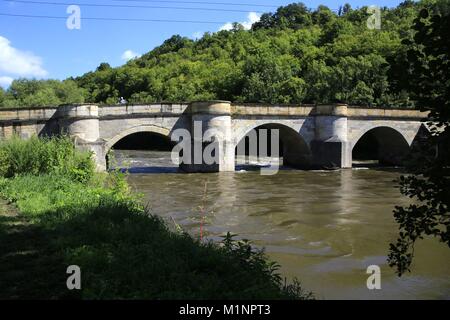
<point>4,163</point>
<point>37,156</point>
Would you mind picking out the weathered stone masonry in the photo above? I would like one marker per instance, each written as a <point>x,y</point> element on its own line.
<point>321,135</point>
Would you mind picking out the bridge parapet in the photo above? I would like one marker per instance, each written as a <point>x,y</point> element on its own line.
<point>175,109</point>
<point>26,114</point>
<point>271,110</point>
<point>362,112</point>
<point>237,109</point>
<point>26,122</point>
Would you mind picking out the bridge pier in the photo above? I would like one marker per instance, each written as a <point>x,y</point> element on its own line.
<point>212,148</point>
<point>331,147</point>
<point>81,123</point>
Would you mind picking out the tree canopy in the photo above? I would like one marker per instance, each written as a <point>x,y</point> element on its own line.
<point>294,55</point>
<point>427,65</point>
<point>34,93</point>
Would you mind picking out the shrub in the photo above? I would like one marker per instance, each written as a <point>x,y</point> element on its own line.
<point>37,156</point>
<point>4,163</point>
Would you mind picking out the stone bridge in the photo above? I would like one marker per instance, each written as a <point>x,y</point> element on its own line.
<point>312,136</point>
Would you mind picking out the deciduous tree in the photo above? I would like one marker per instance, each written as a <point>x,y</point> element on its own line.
<point>428,67</point>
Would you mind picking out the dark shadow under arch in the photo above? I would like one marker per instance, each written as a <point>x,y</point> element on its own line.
<point>293,150</point>
<point>144,141</point>
<point>381,146</point>
<point>146,152</point>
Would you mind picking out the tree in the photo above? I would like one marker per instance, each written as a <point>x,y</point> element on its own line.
<point>35,93</point>
<point>103,66</point>
<point>347,8</point>
<point>294,15</point>
<point>428,66</point>
<point>2,96</point>
<point>173,44</point>
<point>290,56</point>
<point>68,91</point>
<point>317,76</point>
<point>323,15</point>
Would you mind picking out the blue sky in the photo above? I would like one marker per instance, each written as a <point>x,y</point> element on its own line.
<point>46,48</point>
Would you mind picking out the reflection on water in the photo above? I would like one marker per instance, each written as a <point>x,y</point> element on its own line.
<point>323,227</point>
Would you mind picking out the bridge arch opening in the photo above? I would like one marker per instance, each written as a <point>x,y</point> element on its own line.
<point>381,146</point>
<point>141,151</point>
<point>289,150</point>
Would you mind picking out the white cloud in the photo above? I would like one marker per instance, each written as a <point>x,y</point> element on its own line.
<point>129,54</point>
<point>20,63</point>
<point>251,19</point>
<point>5,81</point>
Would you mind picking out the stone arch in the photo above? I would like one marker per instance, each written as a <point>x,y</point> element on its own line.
<point>145,128</point>
<point>295,148</point>
<point>243,127</point>
<point>383,143</point>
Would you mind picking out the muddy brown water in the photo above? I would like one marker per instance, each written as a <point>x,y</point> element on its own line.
<point>323,227</point>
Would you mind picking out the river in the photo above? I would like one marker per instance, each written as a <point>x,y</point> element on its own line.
<point>323,227</point>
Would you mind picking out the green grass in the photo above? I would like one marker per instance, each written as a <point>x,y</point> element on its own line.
<point>123,251</point>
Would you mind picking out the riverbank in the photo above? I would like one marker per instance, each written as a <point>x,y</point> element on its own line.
<point>65,217</point>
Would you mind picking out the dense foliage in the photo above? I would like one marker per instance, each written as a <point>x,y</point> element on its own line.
<point>295,55</point>
<point>43,156</point>
<point>33,93</point>
<point>427,65</point>
<point>123,251</point>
